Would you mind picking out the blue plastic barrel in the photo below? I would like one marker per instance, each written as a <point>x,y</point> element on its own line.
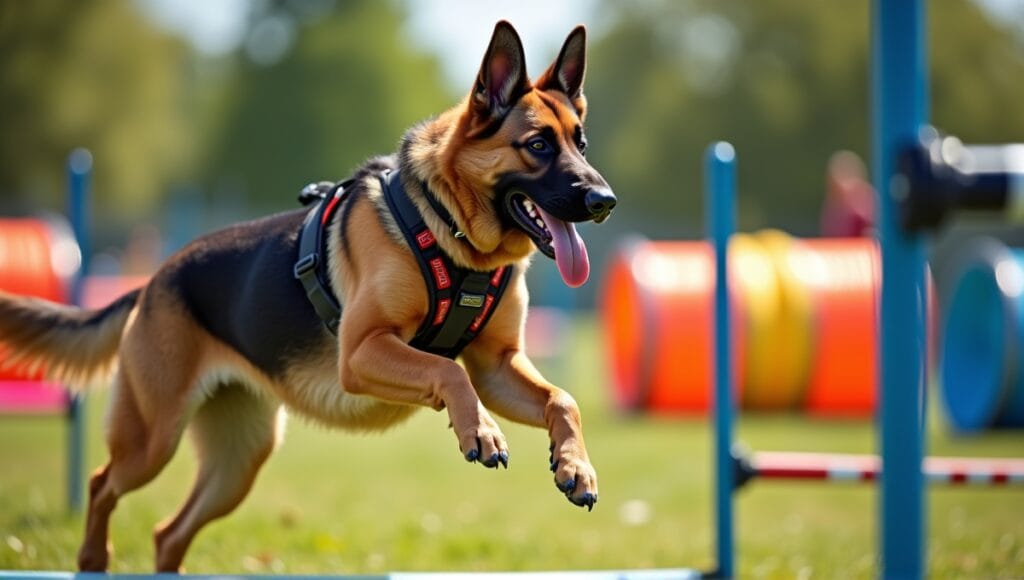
<point>982,358</point>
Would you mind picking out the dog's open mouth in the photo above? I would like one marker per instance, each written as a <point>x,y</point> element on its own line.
<point>555,238</point>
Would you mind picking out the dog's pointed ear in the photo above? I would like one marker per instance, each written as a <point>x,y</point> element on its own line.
<point>567,72</point>
<point>502,78</point>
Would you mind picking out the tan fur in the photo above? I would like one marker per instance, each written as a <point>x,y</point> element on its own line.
<point>71,357</point>
<point>174,373</point>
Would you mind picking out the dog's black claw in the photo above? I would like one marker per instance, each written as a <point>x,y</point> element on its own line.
<point>586,500</point>
<point>554,466</point>
<point>472,455</point>
<point>567,487</point>
<point>503,458</point>
<point>491,461</point>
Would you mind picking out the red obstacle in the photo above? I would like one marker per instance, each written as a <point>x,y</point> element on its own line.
<point>36,258</point>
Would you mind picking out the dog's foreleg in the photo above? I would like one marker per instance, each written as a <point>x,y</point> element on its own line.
<point>512,387</point>
<point>384,366</point>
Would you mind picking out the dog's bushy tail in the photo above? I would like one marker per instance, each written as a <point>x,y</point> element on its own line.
<point>69,344</point>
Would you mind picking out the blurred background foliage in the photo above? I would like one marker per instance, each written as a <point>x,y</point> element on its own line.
<point>96,74</point>
<point>183,137</point>
<point>347,91</point>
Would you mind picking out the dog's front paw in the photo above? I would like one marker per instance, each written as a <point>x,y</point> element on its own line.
<point>484,443</point>
<point>574,475</point>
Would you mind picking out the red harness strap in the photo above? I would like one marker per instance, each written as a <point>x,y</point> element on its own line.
<point>461,301</point>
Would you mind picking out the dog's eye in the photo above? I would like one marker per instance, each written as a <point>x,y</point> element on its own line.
<point>581,141</point>
<point>539,146</point>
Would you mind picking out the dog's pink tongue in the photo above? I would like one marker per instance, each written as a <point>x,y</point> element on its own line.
<point>570,251</point>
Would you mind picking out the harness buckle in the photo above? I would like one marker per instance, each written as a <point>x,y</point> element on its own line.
<point>471,300</point>
<point>314,192</point>
<point>305,265</point>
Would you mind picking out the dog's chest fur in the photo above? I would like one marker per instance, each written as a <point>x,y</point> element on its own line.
<point>313,389</point>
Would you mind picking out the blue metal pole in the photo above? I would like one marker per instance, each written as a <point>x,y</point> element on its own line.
<point>720,215</point>
<point>899,109</point>
<point>79,173</point>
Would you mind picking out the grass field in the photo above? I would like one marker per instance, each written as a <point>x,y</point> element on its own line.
<point>331,502</point>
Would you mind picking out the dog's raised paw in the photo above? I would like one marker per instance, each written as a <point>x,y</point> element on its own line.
<point>575,478</point>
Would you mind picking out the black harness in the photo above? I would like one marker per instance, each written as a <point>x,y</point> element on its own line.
<point>460,300</point>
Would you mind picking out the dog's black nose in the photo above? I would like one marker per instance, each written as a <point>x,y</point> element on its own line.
<point>599,201</point>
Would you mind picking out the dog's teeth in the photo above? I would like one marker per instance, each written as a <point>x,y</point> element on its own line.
<point>530,208</point>
<point>540,222</point>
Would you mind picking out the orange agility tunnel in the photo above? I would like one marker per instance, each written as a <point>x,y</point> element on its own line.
<point>843,276</point>
<point>30,259</point>
<point>804,328</point>
<point>657,317</point>
<point>37,258</point>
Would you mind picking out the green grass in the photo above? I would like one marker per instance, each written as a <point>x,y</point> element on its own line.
<point>332,502</point>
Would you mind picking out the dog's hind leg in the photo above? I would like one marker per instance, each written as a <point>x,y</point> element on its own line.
<point>138,452</point>
<point>234,432</point>
<point>150,401</point>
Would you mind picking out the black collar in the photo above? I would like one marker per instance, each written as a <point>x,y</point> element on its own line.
<point>442,212</point>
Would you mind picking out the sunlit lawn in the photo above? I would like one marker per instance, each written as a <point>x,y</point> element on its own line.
<point>331,502</point>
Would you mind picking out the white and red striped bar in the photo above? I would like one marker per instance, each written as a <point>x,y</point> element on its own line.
<point>865,468</point>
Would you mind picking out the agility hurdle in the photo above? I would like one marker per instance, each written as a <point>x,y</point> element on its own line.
<point>736,468</point>
<point>916,186</point>
<point>742,467</point>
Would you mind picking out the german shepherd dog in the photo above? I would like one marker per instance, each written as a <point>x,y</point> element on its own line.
<point>223,338</point>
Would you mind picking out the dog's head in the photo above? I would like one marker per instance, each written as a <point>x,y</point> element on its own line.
<point>522,150</point>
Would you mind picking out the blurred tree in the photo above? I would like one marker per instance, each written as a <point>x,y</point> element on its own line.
<point>345,91</point>
<point>786,81</point>
<point>88,73</point>
<point>977,74</point>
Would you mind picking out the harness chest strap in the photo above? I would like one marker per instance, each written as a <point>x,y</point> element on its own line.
<point>460,301</point>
